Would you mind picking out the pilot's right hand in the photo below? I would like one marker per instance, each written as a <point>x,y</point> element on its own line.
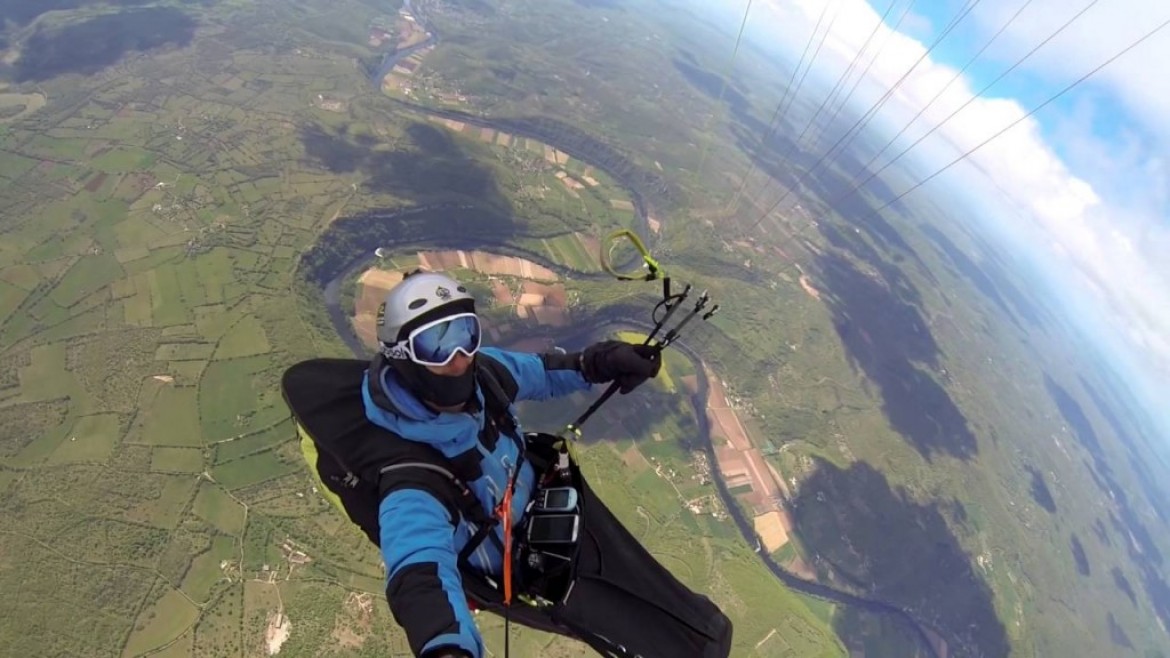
<point>614,360</point>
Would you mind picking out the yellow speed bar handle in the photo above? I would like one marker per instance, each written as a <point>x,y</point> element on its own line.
<point>655,270</point>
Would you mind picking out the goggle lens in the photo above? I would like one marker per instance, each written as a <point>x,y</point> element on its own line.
<point>436,344</point>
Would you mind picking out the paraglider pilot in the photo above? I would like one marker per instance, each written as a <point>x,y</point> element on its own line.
<point>422,450</point>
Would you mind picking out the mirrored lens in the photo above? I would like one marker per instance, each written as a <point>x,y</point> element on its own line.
<point>436,345</point>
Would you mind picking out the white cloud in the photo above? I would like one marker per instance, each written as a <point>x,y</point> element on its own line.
<point>1129,165</point>
<point>1106,247</point>
<point>914,24</point>
<point>1096,36</point>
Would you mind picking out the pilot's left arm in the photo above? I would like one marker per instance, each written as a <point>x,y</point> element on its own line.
<point>557,374</point>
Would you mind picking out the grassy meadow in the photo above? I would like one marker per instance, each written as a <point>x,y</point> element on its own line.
<point>166,169</point>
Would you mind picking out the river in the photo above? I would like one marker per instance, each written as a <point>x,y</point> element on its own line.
<point>392,58</point>
<point>563,137</point>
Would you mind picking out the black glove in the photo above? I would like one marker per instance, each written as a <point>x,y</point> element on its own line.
<point>627,364</point>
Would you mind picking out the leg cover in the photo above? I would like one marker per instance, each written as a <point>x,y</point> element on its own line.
<point>622,602</point>
<point>622,596</point>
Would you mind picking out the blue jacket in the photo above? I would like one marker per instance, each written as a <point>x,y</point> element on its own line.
<point>419,543</point>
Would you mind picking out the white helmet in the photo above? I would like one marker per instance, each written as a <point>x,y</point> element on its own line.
<point>420,298</point>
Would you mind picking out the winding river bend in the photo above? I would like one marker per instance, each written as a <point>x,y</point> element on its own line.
<point>329,274</point>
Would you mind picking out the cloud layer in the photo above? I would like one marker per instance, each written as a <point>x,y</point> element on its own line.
<point>1087,177</point>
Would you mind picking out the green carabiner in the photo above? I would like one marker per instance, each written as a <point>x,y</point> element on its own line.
<point>655,270</point>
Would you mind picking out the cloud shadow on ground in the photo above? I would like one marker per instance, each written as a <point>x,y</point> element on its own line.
<point>884,334</point>
<point>1122,584</point>
<point>90,46</point>
<point>1078,553</point>
<point>1040,491</point>
<point>1117,634</point>
<point>847,517</point>
<point>1142,549</point>
<point>24,12</point>
<point>428,166</point>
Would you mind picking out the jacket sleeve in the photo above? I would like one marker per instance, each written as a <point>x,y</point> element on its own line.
<point>539,377</point>
<point>423,585</point>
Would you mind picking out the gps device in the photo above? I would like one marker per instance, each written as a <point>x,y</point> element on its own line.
<point>552,528</point>
<point>557,499</point>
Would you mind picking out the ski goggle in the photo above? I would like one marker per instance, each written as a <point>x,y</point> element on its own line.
<point>436,343</point>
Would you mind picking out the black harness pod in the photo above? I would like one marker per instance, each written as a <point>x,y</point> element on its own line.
<point>619,599</point>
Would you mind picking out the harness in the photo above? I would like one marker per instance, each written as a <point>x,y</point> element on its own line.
<point>498,420</point>
<point>359,462</point>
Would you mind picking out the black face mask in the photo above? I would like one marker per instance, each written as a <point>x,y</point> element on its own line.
<point>439,390</point>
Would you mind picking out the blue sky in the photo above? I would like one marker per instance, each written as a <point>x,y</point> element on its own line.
<point>1088,177</point>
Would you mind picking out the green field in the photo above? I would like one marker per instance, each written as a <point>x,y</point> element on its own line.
<point>165,506</point>
<point>569,250</point>
<point>160,214</point>
<point>252,469</point>
<point>184,352</point>
<point>10,297</point>
<point>215,506</point>
<point>230,399</point>
<point>252,443</point>
<point>206,572</point>
<point>172,417</point>
<point>176,460</point>
<point>92,438</point>
<point>246,338</point>
<point>162,622</point>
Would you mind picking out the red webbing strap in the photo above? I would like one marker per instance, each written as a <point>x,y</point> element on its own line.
<point>504,514</point>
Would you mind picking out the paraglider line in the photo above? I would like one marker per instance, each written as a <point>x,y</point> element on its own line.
<point>1013,124</point>
<point>820,131</point>
<point>973,98</point>
<point>777,114</point>
<point>844,76</point>
<point>723,88</point>
<point>869,114</point>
